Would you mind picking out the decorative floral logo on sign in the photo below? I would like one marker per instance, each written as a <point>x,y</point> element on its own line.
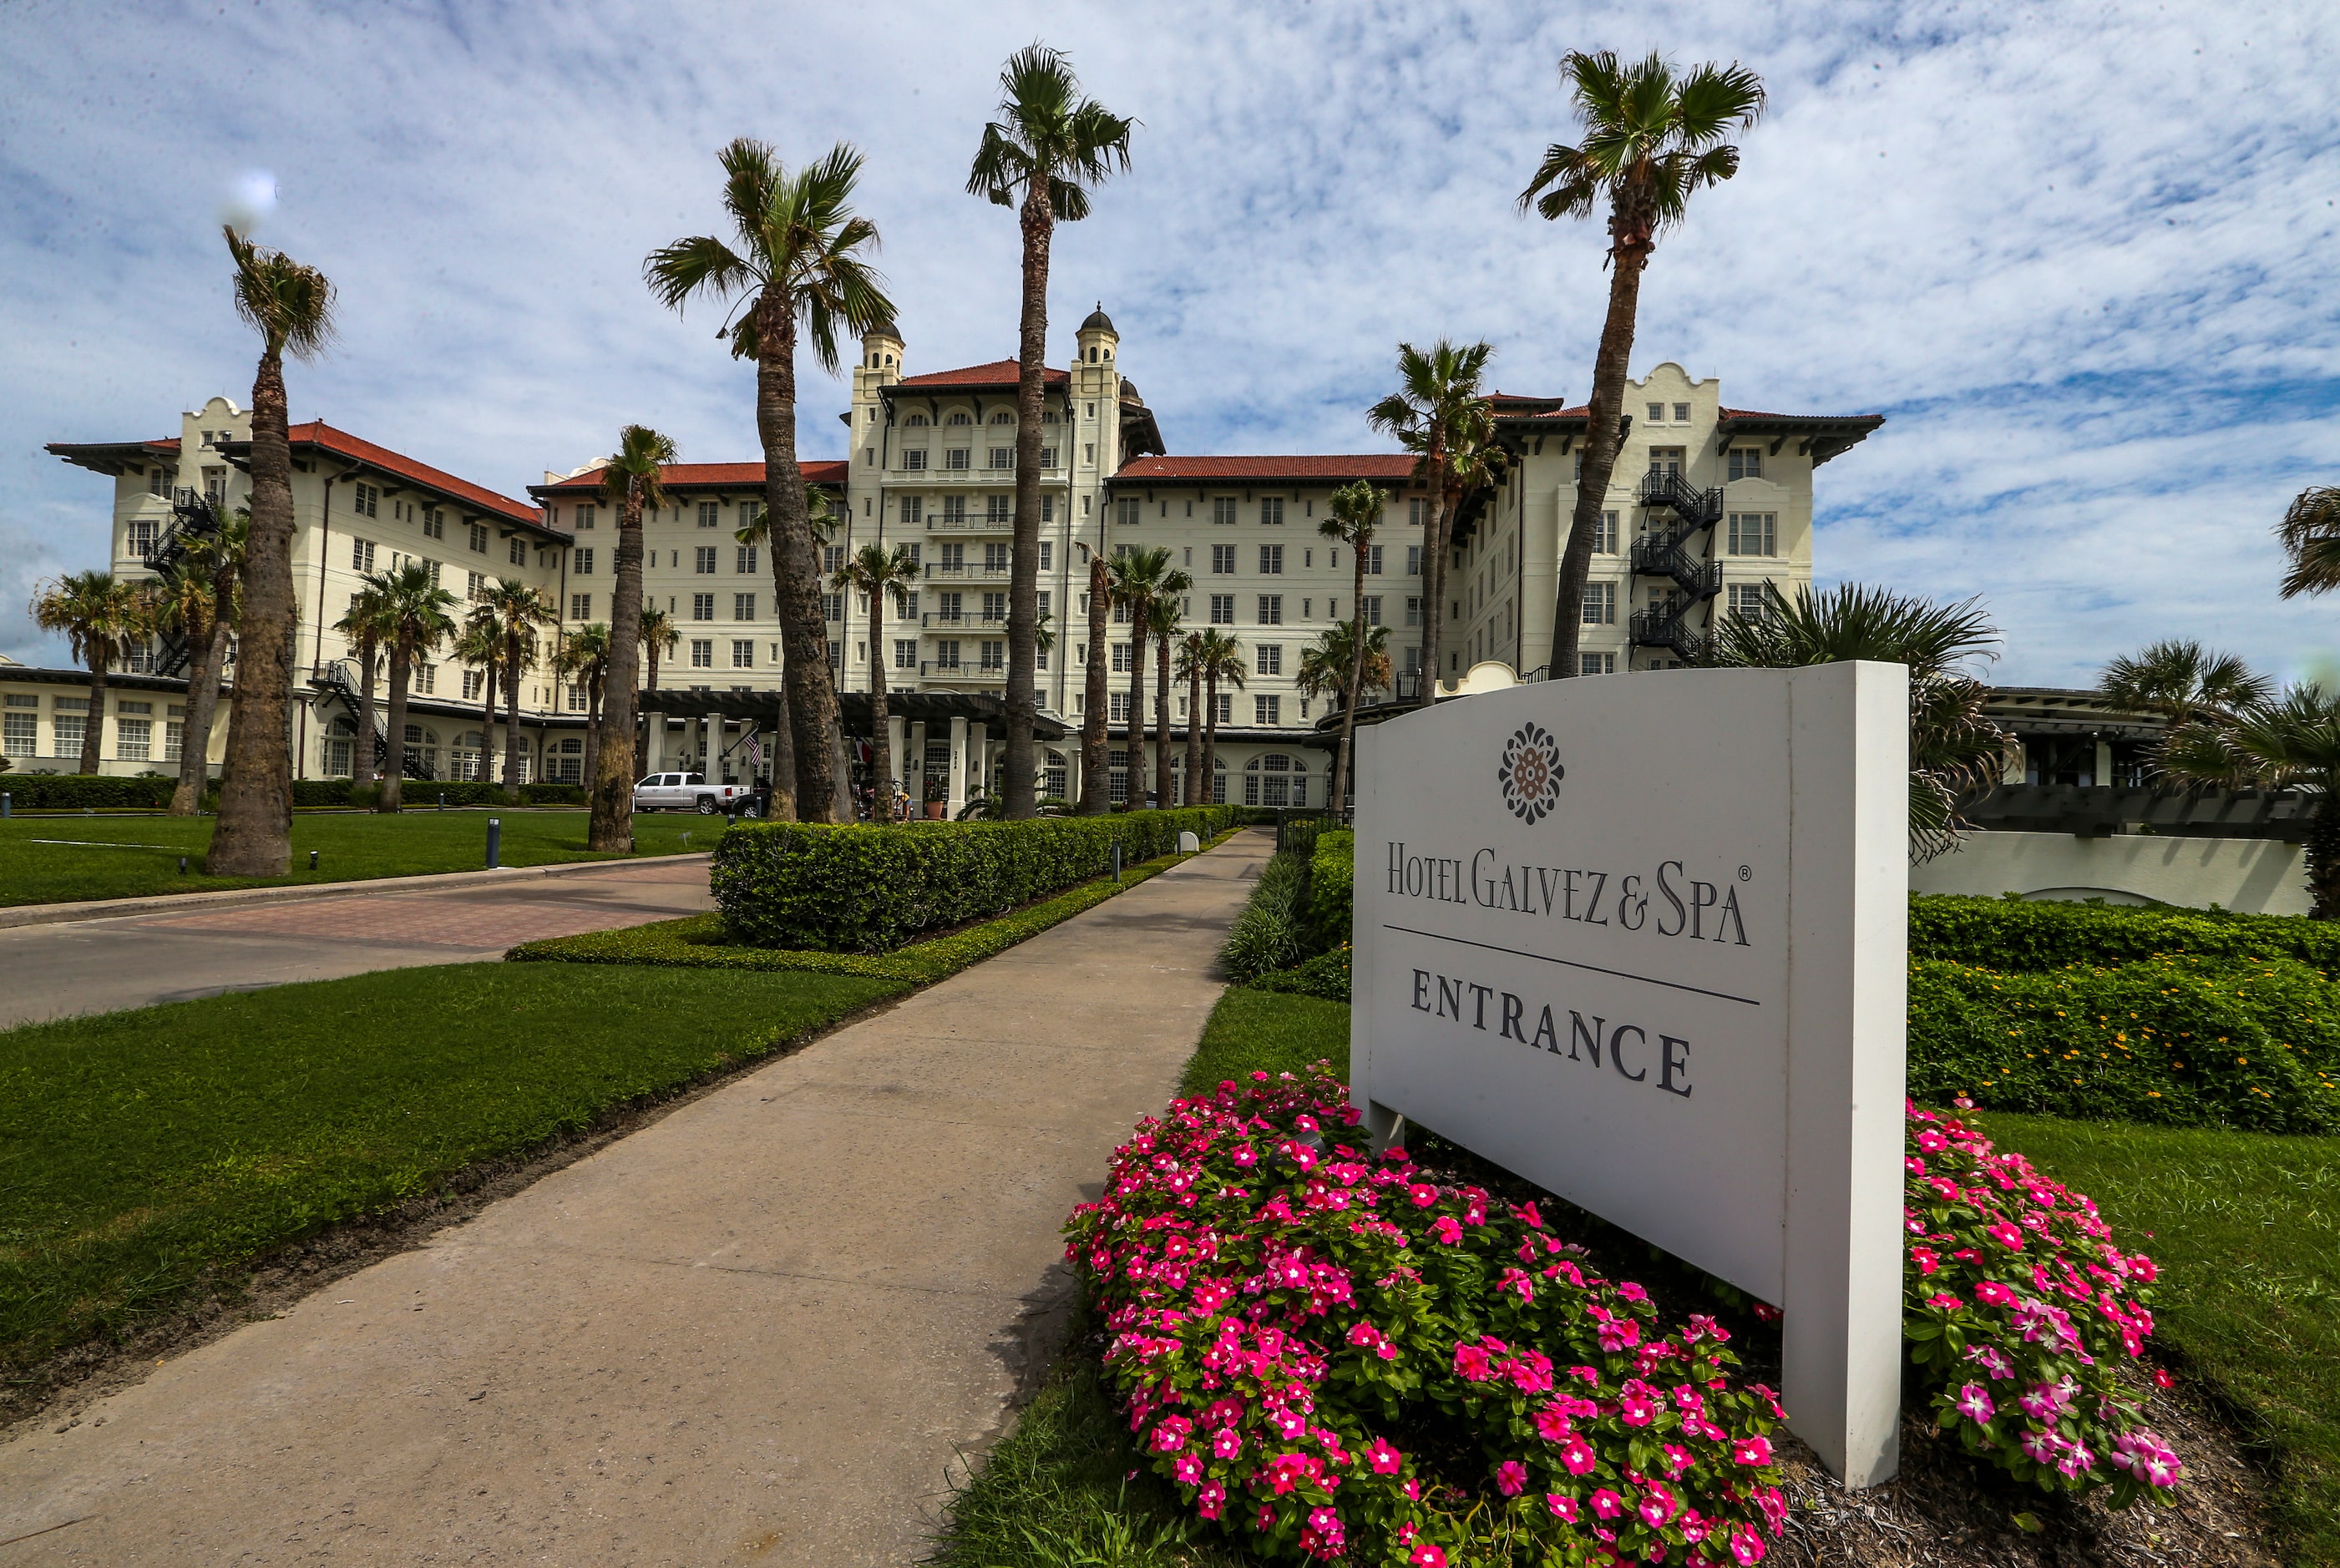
<point>1531,773</point>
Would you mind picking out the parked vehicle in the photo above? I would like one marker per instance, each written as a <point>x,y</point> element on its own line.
<point>692,792</point>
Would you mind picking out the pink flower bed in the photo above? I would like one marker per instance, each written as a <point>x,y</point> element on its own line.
<point>1334,1356</point>
<point>2020,1304</point>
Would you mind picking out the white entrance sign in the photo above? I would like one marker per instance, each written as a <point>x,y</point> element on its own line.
<point>1643,941</point>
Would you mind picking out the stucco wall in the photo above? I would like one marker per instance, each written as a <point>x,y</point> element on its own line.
<point>2257,876</point>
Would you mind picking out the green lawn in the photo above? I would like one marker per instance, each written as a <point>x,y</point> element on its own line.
<point>133,857</point>
<point>139,1149</point>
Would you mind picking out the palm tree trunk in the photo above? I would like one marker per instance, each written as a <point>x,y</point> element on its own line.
<point>487,724</point>
<point>93,730</point>
<point>1603,435</point>
<point>609,767</point>
<point>1356,690</point>
<point>361,757</point>
<point>1210,787</point>
<point>796,571</point>
<point>881,742</point>
<point>1135,794</point>
<point>513,667</point>
<point>592,731</point>
<point>1195,780</point>
<point>253,835</point>
<point>203,705</point>
<point>394,776</point>
<point>649,684</point>
<point>784,759</point>
<point>1038,221</point>
<point>1161,721</point>
<point>1434,583</point>
<point>1095,764</point>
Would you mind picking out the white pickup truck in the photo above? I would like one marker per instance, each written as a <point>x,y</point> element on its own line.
<point>692,792</point>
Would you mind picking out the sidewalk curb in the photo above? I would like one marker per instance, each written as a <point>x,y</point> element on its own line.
<point>229,898</point>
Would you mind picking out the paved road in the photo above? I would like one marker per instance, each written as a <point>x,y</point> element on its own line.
<point>763,1329</point>
<point>101,965</point>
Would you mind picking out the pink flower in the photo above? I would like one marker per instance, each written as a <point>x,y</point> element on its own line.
<point>1245,1155</point>
<point>1577,1456</point>
<point>1619,1334</point>
<point>1422,1194</point>
<point>1326,1526</point>
<point>1658,1506</point>
<point>1991,1359</point>
<point>1530,1373</point>
<point>1551,1423</point>
<point>1473,1364</point>
<point>1427,1555</point>
<point>1171,1436</point>
<point>1746,1546</point>
<point>1607,1504</point>
<point>2143,1267</point>
<point>1562,1506</point>
<point>1187,1467</point>
<point>2006,1235</point>
<point>1752,1451</point>
<point>1637,1410</point>
<point>1923,1256</point>
<point>1678,1459</point>
<point>1991,1293</point>
<point>1384,1459</point>
<point>1510,1477</point>
<point>1943,1299</point>
<point>1517,1280</point>
<point>1446,1230</point>
<point>1228,1444</point>
<point>1213,1499</point>
<point>1931,1142</point>
<point>1528,1212</point>
<point>1974,1404</point>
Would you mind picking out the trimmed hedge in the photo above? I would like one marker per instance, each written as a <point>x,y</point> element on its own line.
<point>2024,935</point>
<point>2178,1041</point>
<point>1332,888</point>
<point>871,889</point>
<point>422,793</point>
<point>85,791</point>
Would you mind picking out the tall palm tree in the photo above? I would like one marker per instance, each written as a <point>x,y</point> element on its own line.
<point>1348,660</point>
<point>820,518</point>
<point>1652,137</point>
<point>1096,784</point>
<point>292,308</point>
<point>1954,750</point>
<point>481,642</point>
<point>1136,579</point>
<point>1437,406</point>
<point>631,483</point>
<point>417,611</point>
<point>879,572</point>
<point>2182,681</point>
<point>217,555</point>
<point>583,659</point>
<point>1355,517</point>
<point>2310,535</point>
<point>2286,742</point>
<point>1190,670</point>
<point>99,614</point>
<point>366,624</point>
<point>1161,626</point>
<point>1048,146</point>
<point>1222,658</point>
<point>518,609</point>
<point>797,267</point>
<point>659,638</point>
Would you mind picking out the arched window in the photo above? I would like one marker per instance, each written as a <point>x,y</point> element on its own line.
<point>1055,774</point>
<point>465,762</point>
<point>959,417</point>
<point>916,420</point>
<point>1048,416</point>
<point>1003,417</point>
<point>1271,780</point>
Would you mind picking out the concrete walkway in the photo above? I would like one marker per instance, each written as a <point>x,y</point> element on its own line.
<point>243,944</point>
<point>762,1330</point>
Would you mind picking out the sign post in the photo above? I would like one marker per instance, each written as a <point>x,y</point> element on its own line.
<point>1644,942</point>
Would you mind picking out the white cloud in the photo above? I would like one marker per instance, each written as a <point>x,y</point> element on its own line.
<point>2080,258</point>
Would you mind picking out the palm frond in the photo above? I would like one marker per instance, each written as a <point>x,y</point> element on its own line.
<point>289,306</point>
<point>2310,535</point>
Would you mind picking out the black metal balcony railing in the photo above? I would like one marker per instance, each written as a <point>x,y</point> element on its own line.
<point>1667,626</point>
<point>1667,555</point>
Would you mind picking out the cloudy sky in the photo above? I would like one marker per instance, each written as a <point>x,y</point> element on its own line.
<point>2081,256</point>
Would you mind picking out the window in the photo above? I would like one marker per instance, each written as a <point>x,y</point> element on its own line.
<point>1271,560</point>
<point>1121,656</point>
<point>1600,604</point>
<point>1754,533</point>
<point>581,562</point>
<point>1681,413</point>
<point>70,719</point>
<point>959,418</point>
<point>702,560</point>
<point>1271,609</point>
<point>995,606</point>
<point>1373,561</point>
<point>994,654</point>
<point>1750,601</point>
<point>1656,413</point>
<point>215,487</point>
<point>1596,664</point>
<point>708,514</point>
<point>1269,658</point>
<point>474,585</point>
<point>947,656</point>
<point>836,654</point>
<point>1003,417</point>
<point>133,739</point>
<point>1089,452</point>
<point>1413,612</point>
<point>472,681</point>
<point>1267,710</point>
<point>581,606</point>
<point>1372,604</point>
<point>518,551</point>
<point>946,607</point>
<point>1223,609</point>
<point>1745,463</point>
<point>366,502</point>
<point>1047,563</point>
<point>999,457</point>
<point>584,514</point>
<point>434,523</point>
<point>577,695</point>
<point>999,511</point>
<point>360,555</point>
<point>917,419</point>
<point>702,607</point>
<point>743,559</point>
<point>1604,535</point>
<point>1117,710</point>
<point>914,459</point>
<point>996,557</point>
<point>479,538</point>
<point>143,532</point>
<point>906,654</point>
<point>743,654</point>
<point>1666,460</point>
<point>743,606</point>
<point>1222,509</point>
<point>20,734</point>
<point>1413,560</point>
<point>175,740</point>
<point>832,606</point>
<point>958,457</point>
<point>1271,511</point>
<point>702,653</point>
<point>1125,510</point>
<point>158,481</point>
<point>1222,559</point>
<point>1048,454</point>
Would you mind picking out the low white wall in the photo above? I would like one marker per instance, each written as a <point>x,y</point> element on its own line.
<point>2254,876</point>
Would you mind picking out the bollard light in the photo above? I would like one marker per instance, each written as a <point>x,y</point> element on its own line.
<point>183,865</point>
<point>7,804</point>
<point>1117,860</point>
<point>442,800</point>
<point>313,859</point>
<point>495,840</point>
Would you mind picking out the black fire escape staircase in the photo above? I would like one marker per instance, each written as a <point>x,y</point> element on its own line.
<point>1667,552</point>
<point>337,679</point>
<point>193,518</point>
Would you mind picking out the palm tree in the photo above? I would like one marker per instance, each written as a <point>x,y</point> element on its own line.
<point>1356,517</point>
<point>1954,750</point>
<point>660,636</point>
<point>1190,670</point>
<point>2310,535</point>
<point>292,308</point>
<point>217,555</point>
<point>1650,139</point>
<point>1136,579</point>
<point>415,607</point>
<point>1095,784</point>
<point>1348,660</point>
<point>1437,406</point>
<point>583,659</point>
<point>481,642</point>
<point>2287,742</point>
<point>820,518</point>
<point>519,610</point>
<point>1161,626</point>
<point>1048,143</point>
<point>2184,682</point>
<point>629,482</point>
<point>98,613</point>
<point>367,627</point>
<point>797,267</point>
<point>1222,658</point>
<point>878,572</point>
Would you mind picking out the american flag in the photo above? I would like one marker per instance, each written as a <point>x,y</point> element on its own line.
<point>755,752</point>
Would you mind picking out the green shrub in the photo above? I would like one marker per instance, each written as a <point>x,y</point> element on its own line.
<point>552,794</point>
<point>871,889</point>
<point>2179,1041</point>
<point>1268,935</point>
<point>86,792</point>
<point>2027,934</point>
<point>1332,889</point>
<point>1325,976</point>
<point>320,792</point>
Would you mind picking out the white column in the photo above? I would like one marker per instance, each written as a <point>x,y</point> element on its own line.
<point>711,732</point>
<point>978,780</point>
<point>654,758</point>
<point>897,736</point>
<point>914,769</point>
<point>957,796</point>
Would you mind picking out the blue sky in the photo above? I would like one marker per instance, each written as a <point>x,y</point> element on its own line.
<point>2081,256</point>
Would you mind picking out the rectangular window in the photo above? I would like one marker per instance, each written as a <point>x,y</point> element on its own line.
<point>946,607</point>
<point>1271,560</point>
<point>994,654</point>
<point>702,607</point>
<point>472,681</point>
<point>1222,509</point>
<point>743,559</point>
<point>1656,412</point>
<point>71,724</point>
<point>141,535</point>
<point>20,734</point>
<point>175,740</point>
<point>1222,559</point>
<point>1269,658</point>
<point>707,513</point>
<point>1117,707</point>
<point>366,503</point>
<point>133,739</point>
<point>1754,533</point>
<point>702,653</point>
<point>702,560</point>
<point>996,558</point>
<point>913,507</point>
<point>1600,604</point>
<point>158,481</point>
<point>479,539</point>
<point>1000,458</point>
<point>906,654</point>
<point>581,606</point>
<point>1667,460</point>
<point>434,523</point>
<point>947,656</point>
<point>1121,656</point>
<point>832,606</point>
<point>1047,563</point>
<point>1681,413</point>
<point>474,585</point>
<point>1271,511</point>
<point>954,511</point>
<point>995,606</point>
<point>1125,510</point>
<point>1745,463</point>
<point>1604,535</point>
<point>743,654</point>
<point>914,459</point>
<point>1413,612</point>
<point>831,558</point>
<point>1372,554</point>
<point>999,511</point>
<point>1223,609</point>
<point>1413,560</point>
<point>1750,601</point>
<point>584,514</point>
<point>1227,713</point>
<point>1271,609</point>
<point>957,458</point>
<point>517,554</point>
<point>1373,609</point>
<point>743,606</point>
<point>360,555</point>
<point>1047,456</point>
<point>1267,710</point>
<point>1596,664</point>
<point>576,697</point>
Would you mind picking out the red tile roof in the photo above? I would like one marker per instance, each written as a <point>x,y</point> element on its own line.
<point>1346,466</point>
<point>319,434</point>
<point>999,373</point>
<point>702,475</point>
